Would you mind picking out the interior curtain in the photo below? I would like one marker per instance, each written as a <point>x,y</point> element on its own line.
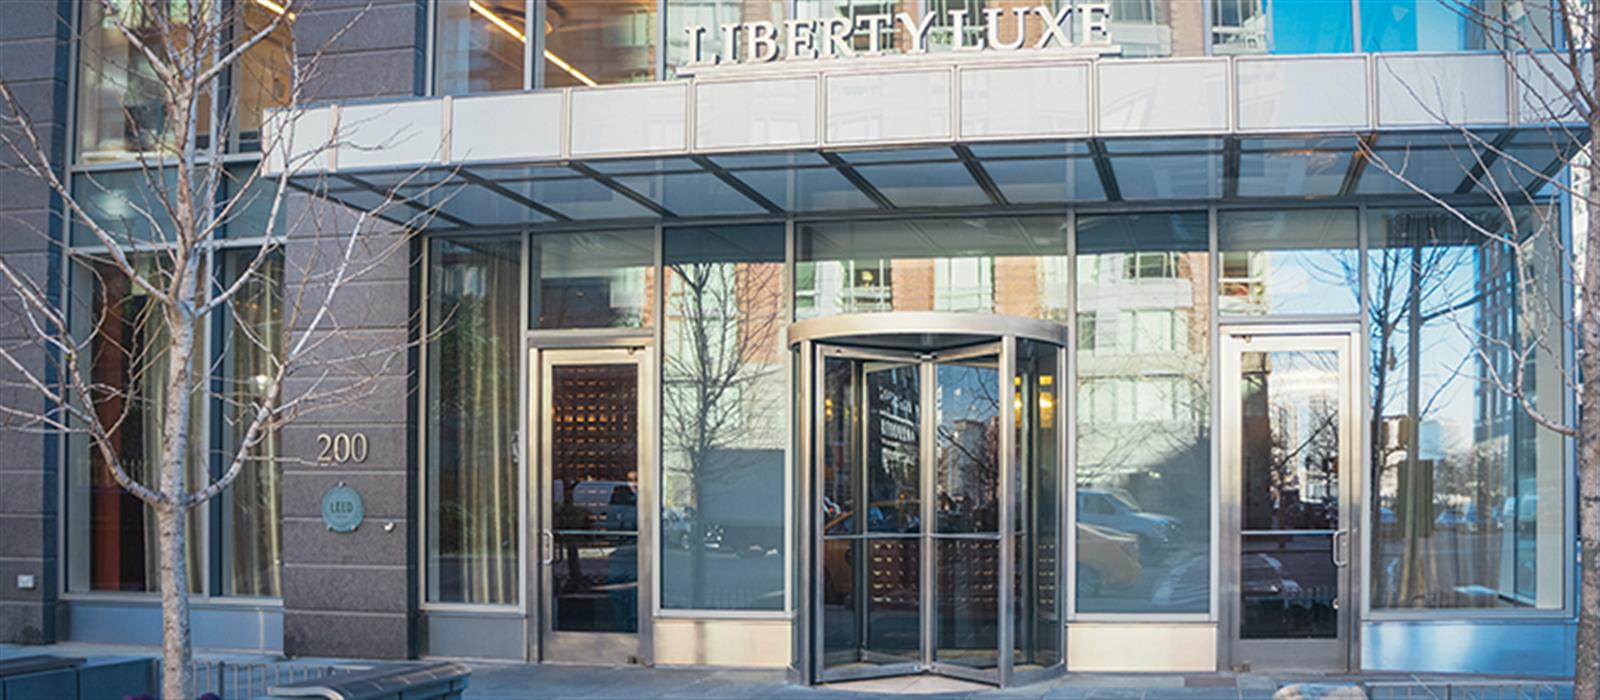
<point>478,321</point>
<point>256,502</point>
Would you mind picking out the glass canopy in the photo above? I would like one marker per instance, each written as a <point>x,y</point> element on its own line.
<point>956,176</point>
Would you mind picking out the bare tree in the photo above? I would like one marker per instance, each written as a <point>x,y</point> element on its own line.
<point>1518,233</point>
<point>117,374</point>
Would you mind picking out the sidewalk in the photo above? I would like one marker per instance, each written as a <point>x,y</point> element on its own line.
<point>515,681</point>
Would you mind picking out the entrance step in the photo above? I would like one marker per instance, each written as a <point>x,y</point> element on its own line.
<point>911,685</point>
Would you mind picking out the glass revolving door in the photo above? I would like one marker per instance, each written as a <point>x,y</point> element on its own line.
<point>929,495</point>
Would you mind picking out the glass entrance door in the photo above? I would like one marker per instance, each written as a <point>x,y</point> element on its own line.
<point>910,489</point>
<point>1288,448</point>
<point>591,420</point>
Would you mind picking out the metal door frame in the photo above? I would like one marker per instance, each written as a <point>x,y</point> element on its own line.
<point>589,647</point>
<point>1340,654</point>
<point>927,365</point>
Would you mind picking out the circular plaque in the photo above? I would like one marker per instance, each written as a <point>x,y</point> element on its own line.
<point>342,509</point>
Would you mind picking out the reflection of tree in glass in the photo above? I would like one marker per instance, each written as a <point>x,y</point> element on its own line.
<point>724,321</point>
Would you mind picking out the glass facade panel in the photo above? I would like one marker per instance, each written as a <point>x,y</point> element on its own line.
<point>1014,266</point>
<point>1143,412</point>
<point>126,205</point>
<point>1281,27</point>
<point>1457,25</point>
<point>252,352</point>
<point>1149,28</point>
<point>713,14</point>
<point>1036,611</point>
<point>112,535</point>
<point>478,46</point>
<point>592,279</point>
<point>723,423</point>
<point>120,110</point>
<point>473,515</point>
<point>1289,262</point>
<point>1469,507</point>
<point>589,43</point>
<point>262,79</point>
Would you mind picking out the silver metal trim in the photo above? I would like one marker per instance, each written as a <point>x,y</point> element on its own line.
<point>925,322</point>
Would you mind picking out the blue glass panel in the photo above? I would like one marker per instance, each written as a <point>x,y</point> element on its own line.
<point>476,205</point>
<point>767,160</point>
<point>1418,25</point>
<point>1023,150</point>
<point>1163,145</point>
<point>1194,176</point>
<point>896,155</point>
<point>582,198</point>
<point>925,184</point>
<point>1439,171</point>
<point>643,165</point>
<point>1292,174</point>
<point>1312,26</point>
<point>807,189</point>
<point>691,194</point>
<point>1046,180</point>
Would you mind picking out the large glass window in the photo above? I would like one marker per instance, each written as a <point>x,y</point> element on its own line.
<point>712,15</point>
<point>723,419</point>
<point>1289,262</point>
<point>1143,414</point>
<point>112,536</point>
<point>252,351</point>
<point>121,112</point>
<point>1470,506</point>
<point>592,279</point>
<point>598,43</point>
<point>1013,266</point>
<point>475,326</point>
<point>478,46</point>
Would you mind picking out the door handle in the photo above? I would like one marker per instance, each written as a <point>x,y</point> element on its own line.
<point>1341,546</point>
<point>548,544</point>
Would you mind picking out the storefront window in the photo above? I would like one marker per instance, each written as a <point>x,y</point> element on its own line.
<point>1143,414</point>
<point>473,522</point>
<point>112,535</point>
<point>592,279</point>
<point>723,419</point>
<point>478,46</point>
<point>1012,266</point>
<point>252,507</point>
<point>598,43</point>
<point>1470,504</point>
<point>712,15</point>
<point>1289,262</point>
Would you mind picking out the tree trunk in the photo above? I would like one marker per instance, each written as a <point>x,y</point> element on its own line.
<point>177,679</point>
<point>1586,681</point>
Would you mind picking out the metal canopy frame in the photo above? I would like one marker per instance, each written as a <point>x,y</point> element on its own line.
<point>945,338</point>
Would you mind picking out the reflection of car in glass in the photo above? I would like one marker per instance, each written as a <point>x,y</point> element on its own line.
<point>1264,576</point>
<point>1106,559</point>
<point>1116,511</point>
<point>1463,518</point>
<point>609,505</point>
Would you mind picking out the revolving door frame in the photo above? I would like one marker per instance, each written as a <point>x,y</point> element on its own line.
<point>926,338</point>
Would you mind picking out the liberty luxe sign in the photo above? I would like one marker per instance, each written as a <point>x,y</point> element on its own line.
<point>1084,26</point>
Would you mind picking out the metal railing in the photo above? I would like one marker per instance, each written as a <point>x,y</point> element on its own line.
<point>1468,690</point>
<point>240,680</point>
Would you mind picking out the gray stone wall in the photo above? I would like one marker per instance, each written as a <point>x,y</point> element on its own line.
<point>33,63</point>
<point>354,594</point>
<point>351,594</point>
